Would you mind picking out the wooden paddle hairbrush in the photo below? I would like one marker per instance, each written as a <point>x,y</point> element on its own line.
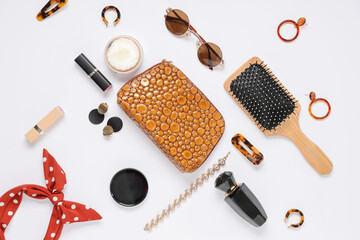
<point>272,107</point>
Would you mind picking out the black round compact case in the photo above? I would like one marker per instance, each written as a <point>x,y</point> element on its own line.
<point>129,187</point>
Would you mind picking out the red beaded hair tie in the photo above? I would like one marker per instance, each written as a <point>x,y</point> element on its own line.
<point>297,24</point>
<point>313,99</point>
<point>63,212</point>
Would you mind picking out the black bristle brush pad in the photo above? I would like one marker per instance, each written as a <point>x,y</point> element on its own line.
<point>260,94</point>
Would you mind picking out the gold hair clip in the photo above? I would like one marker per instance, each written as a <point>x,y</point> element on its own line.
<point>188,192</point>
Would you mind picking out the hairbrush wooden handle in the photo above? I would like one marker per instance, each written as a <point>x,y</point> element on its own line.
<point>312,153</point>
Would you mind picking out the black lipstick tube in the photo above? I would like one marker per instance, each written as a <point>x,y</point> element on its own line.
<point>93,72</point>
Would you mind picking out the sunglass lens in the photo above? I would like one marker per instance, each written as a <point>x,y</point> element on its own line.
<point>177,22</point>
<point>210,54</point>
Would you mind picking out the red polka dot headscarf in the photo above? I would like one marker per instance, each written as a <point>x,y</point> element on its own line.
<point>64,212</point>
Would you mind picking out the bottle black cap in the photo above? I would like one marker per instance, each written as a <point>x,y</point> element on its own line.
<point>93,72</point>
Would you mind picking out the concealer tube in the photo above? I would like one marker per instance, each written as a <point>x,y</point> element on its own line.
<point>50,119</point>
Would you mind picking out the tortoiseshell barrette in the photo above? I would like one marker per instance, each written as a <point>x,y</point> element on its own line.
<point>243,145</point>
<point>44,13</point>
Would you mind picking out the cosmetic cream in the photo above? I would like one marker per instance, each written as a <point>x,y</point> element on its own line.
<point>123,54</point>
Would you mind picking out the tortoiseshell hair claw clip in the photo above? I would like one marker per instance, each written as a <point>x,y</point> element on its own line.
<point>255,157</point>
<point>110,8</point>
<point>291,211</point>
<point>44,13</point>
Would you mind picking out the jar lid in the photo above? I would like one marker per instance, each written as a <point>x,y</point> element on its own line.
<point>129,187</point>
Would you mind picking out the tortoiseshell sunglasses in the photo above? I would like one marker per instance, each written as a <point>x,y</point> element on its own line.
<point>209,54</point>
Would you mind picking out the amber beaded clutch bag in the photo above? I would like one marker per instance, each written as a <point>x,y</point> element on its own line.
<point>174,114</point>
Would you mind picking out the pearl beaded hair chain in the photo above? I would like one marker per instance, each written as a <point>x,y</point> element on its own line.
<point>188,192</point>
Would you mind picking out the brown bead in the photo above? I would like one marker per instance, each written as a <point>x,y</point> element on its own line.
<point>175,127</point>
<point>164,126</point>
<point>212,123</point>
<point>151,125</point>
<point>159,83</point>
<point>197,97</point>
<point>178,83</point>
<point>199,140</point>
<point>187,154</point>
<point>167,112</point>
<point>108,130</point>
<point>168,104</point>
<point>135,84</point>
<point>190,97</point>
<point>138,117</point>
<point>174,116</point>
<point>214,140</point>
<point>181,75</point>
<point>159,139</point>
<point>181,100</point>
<point>216,115</point>
<point>167,96</point>
<point>312,96</point>
<point>145,82</point>
<point>175,94</point>
<point>173,151</point>
<point>201,131</point>
<point>184,163</point>
<point>220,123</point>
<point>167,70</point>
<point>126,87</point>
<point>103,108</point>
<point>196,114</point>
<point>301,21</point>
<point>204,104</point>
<point>141,108</point>
<point>125,106</point>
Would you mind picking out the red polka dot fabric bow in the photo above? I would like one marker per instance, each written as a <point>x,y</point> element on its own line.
<point>64,212</point>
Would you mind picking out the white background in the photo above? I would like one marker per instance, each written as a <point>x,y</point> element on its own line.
<point>38,72</point>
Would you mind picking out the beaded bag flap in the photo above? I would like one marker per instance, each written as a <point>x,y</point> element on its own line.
<point>174,114</point>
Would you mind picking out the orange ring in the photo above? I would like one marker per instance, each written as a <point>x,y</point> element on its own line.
<point>286,22</point>
<point>320,100</point>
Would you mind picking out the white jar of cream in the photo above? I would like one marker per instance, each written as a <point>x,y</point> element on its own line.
<point>123,55</point>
